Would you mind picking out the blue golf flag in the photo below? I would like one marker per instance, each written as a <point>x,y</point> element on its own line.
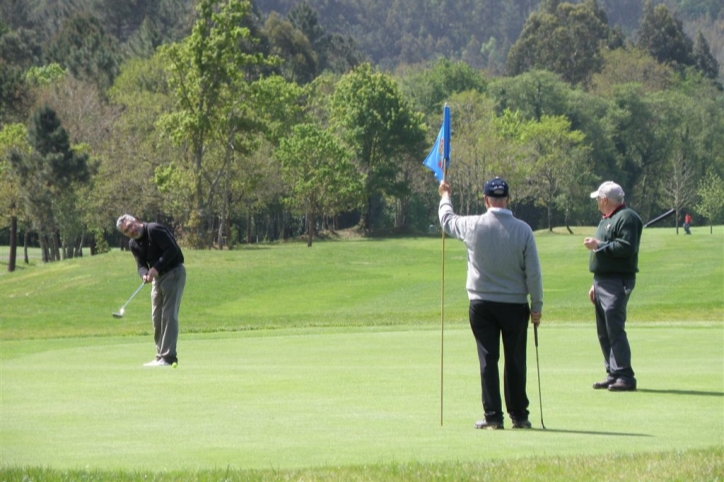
<point>439,158</point>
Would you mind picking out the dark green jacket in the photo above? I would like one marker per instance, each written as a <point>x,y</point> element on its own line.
<point>620,234</point>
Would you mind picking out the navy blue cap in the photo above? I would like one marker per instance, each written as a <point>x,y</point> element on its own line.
<point>496,188</point>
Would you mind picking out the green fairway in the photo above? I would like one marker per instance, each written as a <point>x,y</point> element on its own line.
<point>328,359</point>
<point>312,397</point>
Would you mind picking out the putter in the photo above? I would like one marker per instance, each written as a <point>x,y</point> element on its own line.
<point>537,364</point>
<point>120,312</point>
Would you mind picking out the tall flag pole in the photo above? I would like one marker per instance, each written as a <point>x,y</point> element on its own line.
<point>438,162</point>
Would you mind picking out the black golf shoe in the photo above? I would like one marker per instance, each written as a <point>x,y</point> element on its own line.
<point>604,383</point>
<point>622,386</point>
<point>522,424</point>
<point>488,425</point>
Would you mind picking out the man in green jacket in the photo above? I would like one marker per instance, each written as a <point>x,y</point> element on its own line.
<point>614,264</point>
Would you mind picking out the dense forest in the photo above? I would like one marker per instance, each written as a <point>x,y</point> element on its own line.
<point>242,122</point>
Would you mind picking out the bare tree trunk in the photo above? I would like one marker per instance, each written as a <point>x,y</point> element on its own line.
<point>224,215</point>
<point>26,240</point>
<point>676,220</point>
<point>248,225</point>
<point>550,215</point>
<point>12,256</point>
<point>79,250</point>
<point>55,246</point>
<point>310,228</point>
<point>44,251</point>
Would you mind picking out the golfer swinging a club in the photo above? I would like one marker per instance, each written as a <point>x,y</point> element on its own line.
<point>160,261</point>
<point>503,271</point>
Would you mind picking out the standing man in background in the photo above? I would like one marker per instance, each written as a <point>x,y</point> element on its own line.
<point>614,264</point>
<point>503,270</point>
<point>159,260</point>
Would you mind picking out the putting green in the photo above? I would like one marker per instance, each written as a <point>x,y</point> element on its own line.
<point>313,397</point>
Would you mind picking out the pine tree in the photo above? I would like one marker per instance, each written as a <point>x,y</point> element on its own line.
<point>663,37</point>
<point>705,61</point>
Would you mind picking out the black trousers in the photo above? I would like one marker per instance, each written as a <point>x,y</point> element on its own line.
<point>490,321</point>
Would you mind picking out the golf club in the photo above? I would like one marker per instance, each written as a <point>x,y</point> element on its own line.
<point>601,247</point>
<point>120,312</point>
<point>537,364</point>
<point>659,218</point>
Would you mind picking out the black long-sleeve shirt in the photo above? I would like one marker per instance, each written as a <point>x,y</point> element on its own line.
<point>156,248</point>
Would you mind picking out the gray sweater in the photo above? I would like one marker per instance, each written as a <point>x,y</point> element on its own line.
<point>503,263</point>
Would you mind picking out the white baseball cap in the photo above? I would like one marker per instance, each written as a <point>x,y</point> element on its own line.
<point>609,190</point>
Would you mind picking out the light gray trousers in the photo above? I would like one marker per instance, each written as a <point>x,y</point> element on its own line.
<point>165,301</point>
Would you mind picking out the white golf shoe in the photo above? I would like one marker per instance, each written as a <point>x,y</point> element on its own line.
<point>160,362</point>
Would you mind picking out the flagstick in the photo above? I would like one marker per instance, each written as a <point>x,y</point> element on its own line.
<point>442,318</point>
<point>442,325</point>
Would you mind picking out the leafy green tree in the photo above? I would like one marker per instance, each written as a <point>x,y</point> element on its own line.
<point>123,17</point>
<point>711,198</point>
<point>305,18</point>
<point>432,86</point>
<point>20,48</point>
<point>662,36</point>
<point>631,65</point>
<point>84,48</point>
<point>48,175</point>
<point>201,69</point>
<point>380,127</point>
<point>13,137</point>
<point>317,168</point>
<point>334,51</point>
<point>567,40</point>
<point>144,41</point>
<point>260,112</point>
<point>301,63</point>
<point>533,94</point>
<point>704,60</point>
<point>137,147</point>
<point>642,142</point>
<point>15,14</point>
<point>45,75</point>
<point>15,95</point>
<point>558,156</point>
<point>91,124</point>
<point>475,148</point>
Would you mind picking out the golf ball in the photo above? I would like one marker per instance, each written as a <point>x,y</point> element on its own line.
<point>175,365</point>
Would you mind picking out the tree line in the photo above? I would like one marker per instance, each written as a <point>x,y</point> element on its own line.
<point>234,126</point>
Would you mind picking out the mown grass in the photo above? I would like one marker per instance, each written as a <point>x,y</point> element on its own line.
<point>350,283</point>
<point>288,351</point>
<point>690,466</point>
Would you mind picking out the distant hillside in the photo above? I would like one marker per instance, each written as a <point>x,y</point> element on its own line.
<point>393,32</point>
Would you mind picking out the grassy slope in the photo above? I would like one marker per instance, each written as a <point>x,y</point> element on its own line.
<point>351,283</point>
<point>385,283</point>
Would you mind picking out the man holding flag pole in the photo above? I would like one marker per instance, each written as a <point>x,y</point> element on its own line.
<point>503,273</point>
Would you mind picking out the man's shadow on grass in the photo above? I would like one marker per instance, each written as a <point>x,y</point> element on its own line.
<point>592,432</point>
<point>681,392</point>
<point>642,390</point>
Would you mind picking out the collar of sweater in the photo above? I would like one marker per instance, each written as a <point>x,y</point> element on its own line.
<point>500,210</point>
